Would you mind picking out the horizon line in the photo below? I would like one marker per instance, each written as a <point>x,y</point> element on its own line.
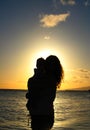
<point>57,90</point>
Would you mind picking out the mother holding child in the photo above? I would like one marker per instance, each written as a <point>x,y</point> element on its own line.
<point>42,92</point>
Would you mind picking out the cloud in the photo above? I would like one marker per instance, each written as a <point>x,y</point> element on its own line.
<point>83,74</point>
<point>76,78</point>
<point>79,75</point>
<point>53,20</point>
<point>87,3</point>
<point>68,2</point>
<point>47,37</point>
<point>84,71</point>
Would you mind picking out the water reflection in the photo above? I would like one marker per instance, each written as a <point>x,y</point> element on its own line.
<point>71,111</point>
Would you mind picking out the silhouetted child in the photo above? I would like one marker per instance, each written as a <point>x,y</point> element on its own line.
<point>39,73</point>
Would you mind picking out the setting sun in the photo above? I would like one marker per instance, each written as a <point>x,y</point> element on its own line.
<point>44,53</point>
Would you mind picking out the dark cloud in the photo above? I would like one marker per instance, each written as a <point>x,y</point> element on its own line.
<point>87,3</point>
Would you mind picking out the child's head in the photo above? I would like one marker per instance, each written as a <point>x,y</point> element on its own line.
<point>40,63</point>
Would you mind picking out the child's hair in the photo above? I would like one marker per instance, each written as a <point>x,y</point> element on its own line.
<point>40,63</point>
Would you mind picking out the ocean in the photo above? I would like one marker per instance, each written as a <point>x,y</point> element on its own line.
<point>72,110</point>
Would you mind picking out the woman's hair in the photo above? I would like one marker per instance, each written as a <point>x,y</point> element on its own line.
<point>54,68</point>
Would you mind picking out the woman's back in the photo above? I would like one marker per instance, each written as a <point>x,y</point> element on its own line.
<point>42,94</point>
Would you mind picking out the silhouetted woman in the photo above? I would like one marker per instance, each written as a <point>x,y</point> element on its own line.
<point>42,92</point>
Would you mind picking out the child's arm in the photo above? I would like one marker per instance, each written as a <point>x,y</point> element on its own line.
<point>27,95</point>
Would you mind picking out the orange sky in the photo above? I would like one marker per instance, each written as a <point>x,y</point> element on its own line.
<point>33,29</point>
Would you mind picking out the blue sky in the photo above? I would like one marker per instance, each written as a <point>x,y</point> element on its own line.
<point>34,28</point>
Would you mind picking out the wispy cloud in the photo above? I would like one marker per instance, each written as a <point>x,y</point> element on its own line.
<point>68,2</point>
<point>79,75</point>
<point>53,20</point>
<point>83,70</point>
<point>47,37</point>
<point>87,3</point>
<point>84,73</point>
<point>76,78</point>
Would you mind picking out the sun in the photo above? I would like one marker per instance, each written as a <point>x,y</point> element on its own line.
<point>44,53</point>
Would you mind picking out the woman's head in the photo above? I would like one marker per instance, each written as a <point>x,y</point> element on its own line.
<point>54,68</point>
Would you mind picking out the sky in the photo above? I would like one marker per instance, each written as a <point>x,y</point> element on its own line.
<point>30,29</point>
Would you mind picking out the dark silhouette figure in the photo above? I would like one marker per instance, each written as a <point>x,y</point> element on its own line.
<point>42,91</point>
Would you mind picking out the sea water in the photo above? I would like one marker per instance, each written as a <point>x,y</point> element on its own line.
<point>72,110</point>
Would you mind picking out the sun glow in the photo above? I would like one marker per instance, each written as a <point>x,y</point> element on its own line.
<point>40,53</point>
<point>44,53</point>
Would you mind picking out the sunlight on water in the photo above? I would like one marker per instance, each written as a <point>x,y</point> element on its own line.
<point>72,111</point>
